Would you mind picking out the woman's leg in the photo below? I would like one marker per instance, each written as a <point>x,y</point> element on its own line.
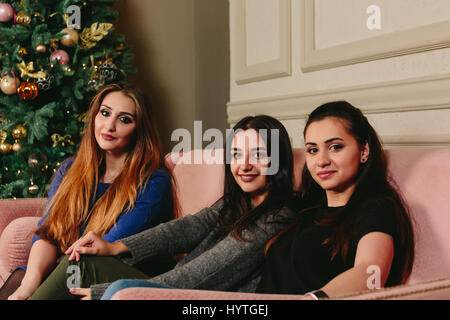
<point>12,283</point>
<point>128,283</point>
<point>84,273</point>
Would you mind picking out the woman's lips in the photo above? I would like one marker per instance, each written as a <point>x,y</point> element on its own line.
<point>247,178</point>
<point>107,137</point>
<point>325,174</point>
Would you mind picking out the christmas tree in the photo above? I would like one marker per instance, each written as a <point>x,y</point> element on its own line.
<point>54,56</point>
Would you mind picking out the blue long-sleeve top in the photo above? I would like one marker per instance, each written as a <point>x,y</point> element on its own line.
<point>153,204</point>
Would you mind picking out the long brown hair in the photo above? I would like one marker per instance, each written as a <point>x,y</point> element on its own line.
<point>237,214</point>
<point>70,206</point>
<point>373,181</point>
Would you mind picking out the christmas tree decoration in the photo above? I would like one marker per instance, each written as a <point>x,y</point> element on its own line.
<point>22,18</point>
<point>27,90</point>
<point>6,12</point>
<point>41,48</point>
<point>9,84</point>
<point>71,37</point>
<point>108,71</point>
<point>45,83</point>
<point>28,71</point>
<point>55,71</point>
<point>16,147</point>
<point>61,56</point>
<point>33,188</point>
<point>96,32</point>
<point>22,52</point>
<point>19,132</point>
<point>5,147</point>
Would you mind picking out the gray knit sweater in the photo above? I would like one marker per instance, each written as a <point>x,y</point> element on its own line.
<point>214,261</point>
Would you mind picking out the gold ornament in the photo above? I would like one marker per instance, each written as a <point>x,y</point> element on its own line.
<point>23,18</point>
<point>9,84</point>
<point>16,147</point>
<point>57,139</point>
<point>33,188</point>
<point>5,147</point>
<point>90,36</point>
<point>41,48</point>
<point>28,70</point>
<point>19,132</point>
<point>71,37</point>
<point>22,52</point>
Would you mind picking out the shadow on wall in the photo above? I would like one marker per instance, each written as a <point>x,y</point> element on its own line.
<point>182,55</point>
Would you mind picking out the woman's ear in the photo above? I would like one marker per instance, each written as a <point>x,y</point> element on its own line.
<point>365,151</point>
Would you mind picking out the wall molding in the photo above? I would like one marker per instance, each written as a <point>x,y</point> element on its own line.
<point>417,94</point>
<point>266,70</point>
<point>403,42</point>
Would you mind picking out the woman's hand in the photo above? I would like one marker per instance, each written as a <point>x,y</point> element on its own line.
<point>93,244</point>
<point>85,293</point>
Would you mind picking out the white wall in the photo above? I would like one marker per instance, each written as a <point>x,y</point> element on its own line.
<point>289,56</point>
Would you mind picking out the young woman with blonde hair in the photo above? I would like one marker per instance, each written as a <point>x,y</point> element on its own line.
<point>115,186</point>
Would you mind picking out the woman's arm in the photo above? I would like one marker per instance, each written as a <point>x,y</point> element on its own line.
<point>374,249</point>
<point>176,236</point>
<point>43,256</point>
<point>153,206</point>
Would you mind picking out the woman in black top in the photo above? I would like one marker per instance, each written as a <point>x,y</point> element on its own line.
<point>356,233</point>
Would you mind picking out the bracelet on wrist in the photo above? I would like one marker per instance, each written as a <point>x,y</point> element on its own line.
<point>317,294</point>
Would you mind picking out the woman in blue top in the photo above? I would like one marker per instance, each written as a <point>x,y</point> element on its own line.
<point>116,185</point>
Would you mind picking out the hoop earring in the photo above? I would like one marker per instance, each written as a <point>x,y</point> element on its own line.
<point>363,160</point>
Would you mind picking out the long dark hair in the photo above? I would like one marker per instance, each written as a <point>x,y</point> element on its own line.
<point>372,181</point>
<point>237,214</point>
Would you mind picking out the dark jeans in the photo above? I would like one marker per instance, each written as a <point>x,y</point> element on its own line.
<point>88,271</point>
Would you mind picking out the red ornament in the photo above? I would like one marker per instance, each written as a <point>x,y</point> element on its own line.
<point>61,56</point>
<point>27,90</point>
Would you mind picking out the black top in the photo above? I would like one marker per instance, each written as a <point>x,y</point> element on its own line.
<point>297,262</point>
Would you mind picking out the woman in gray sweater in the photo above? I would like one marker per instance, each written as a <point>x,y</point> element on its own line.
<point>224,243</point>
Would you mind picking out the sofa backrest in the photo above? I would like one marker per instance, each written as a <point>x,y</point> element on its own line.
<point>199,177</point>
<point>422,176</point>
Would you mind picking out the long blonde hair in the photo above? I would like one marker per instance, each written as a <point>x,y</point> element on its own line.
<point>70,206</point>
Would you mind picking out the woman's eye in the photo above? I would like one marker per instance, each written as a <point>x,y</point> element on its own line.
<point>104,113</point>
<point>312,150</point>
<point>126,120</point>
<point>336,147</point>
<point>237,155</point>
<point>259,155</point>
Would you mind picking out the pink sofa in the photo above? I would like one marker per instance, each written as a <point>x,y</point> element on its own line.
<point>423,176</point>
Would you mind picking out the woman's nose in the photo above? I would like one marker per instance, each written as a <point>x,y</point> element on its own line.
<point>110,124</point>
<point>323,159</point>
<point>246,165</point>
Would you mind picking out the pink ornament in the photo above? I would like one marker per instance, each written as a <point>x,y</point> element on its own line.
<point>6,12</point>
<point>61,56</point>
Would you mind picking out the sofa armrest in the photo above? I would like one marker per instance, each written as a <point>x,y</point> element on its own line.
<point>11,209</point>
<point>187,294</point>
<point>429,290</point>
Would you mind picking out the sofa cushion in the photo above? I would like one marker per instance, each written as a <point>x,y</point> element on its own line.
<point>423,176</point>
<point>15,244</point>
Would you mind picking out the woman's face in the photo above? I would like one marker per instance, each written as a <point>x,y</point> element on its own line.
<point>333,158</point>
<point>115,123</point>
<point>249,162</point>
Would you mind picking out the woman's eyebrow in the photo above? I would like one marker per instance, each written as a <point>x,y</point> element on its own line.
<point>326,141</point>
<point>123,112</point>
